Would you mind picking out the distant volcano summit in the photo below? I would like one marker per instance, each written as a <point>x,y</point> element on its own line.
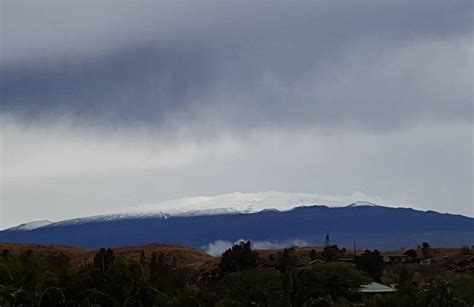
<point>268,216</point>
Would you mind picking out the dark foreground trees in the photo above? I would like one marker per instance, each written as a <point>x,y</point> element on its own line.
<point>438,293</point>
<point>242,279</point>
<point>238,258</point>
<point>329,282</point>
<point>370,262</point>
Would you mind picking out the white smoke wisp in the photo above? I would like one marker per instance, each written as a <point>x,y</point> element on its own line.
<point>218,247</point>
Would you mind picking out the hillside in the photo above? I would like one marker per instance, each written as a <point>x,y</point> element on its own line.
<point>186,257</point>
<point>173,275</point>
<point>444,259</point>
<point>368,226</point>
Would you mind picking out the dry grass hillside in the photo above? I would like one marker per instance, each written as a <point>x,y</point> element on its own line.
<point>186,257</point>
<point>445,260</point>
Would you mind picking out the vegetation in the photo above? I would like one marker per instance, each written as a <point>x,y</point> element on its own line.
<point>238,258</point>
<point>331,253</point>
<point>325,282</point>
<point>426,250</point>
<point>465,250</point>
<point>435,294</point>
<point>411,253</point>
<point>371,262</point>
<point>463,288</point>
<point>242,278</point>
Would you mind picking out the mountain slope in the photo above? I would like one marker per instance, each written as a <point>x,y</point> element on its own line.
<point>368,225</point>
<point>223,204</point>
<point>30,225</point>
<point>185,257</point>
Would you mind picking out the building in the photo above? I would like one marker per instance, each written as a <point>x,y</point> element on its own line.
<point>376,288</point>
<point>396,258</point>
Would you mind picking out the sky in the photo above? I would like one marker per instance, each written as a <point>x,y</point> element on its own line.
<point>107,105</point>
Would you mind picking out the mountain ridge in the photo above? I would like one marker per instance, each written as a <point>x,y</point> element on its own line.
<point>272,218</point>
<point>232,203</point>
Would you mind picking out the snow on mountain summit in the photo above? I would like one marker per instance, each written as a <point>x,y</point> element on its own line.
<point>232,203</point>
<point>242,203</point>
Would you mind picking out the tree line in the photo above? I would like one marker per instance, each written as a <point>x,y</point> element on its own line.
<point>242,278</point>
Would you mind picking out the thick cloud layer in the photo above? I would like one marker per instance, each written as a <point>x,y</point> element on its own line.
<point>377,65</point>
<point>325,97</point>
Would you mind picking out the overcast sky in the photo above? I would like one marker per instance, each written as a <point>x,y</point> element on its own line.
<point>107,105</point>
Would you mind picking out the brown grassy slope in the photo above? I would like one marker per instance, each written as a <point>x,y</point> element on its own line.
<point>186,258</point>
<point>77,254</point>
<point>192,259</point>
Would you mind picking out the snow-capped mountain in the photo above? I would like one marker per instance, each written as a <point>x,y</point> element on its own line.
<point>269,217</point>
<point>232,203</point>
<point>247,203</point>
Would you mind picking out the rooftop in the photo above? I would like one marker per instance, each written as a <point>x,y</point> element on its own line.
<point>375,287</point>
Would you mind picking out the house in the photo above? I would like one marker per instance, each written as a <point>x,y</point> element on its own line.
<point>396,258</point>
<point>376,288</point>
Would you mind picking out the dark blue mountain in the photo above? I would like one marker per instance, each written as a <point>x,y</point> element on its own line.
<point>367,226</point>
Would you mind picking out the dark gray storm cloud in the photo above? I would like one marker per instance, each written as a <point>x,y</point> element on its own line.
<point>238,66</point>
<point>110,104</point>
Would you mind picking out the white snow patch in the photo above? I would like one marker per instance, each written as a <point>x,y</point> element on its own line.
<point>244,203</point>
<point>31,225</point>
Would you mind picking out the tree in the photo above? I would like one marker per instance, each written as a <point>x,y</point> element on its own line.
<point>331,253</point>
<point>463,288</point>
<point>438,294</point>
<point>405,275</point>
<point>4,254</point>
<point>411,253</point>
<point>287,259</point>
<point>465,250</point>
<point>371,263</point>
<point>313,255</point>
<point>238,258</point>
<point>329,281</point>
<point>164,274</point>
<point>142,257</point>
<point>104,259</point>
<point>150,296</point>
<point>98,298</point>
<point>257,287</point>
<point>52,296</point>
<point>7,295</point>
<point>426,250</point>
<point>59,260</point>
